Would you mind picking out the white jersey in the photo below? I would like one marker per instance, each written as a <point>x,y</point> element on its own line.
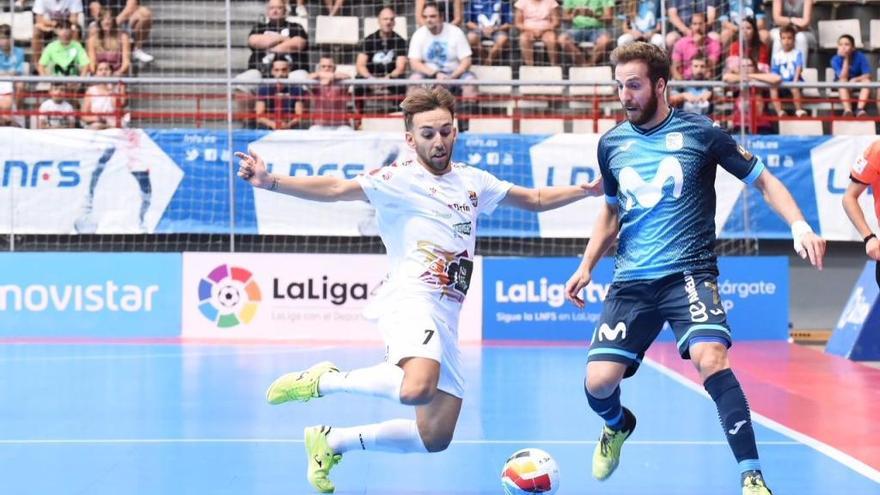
<point>428,223</point>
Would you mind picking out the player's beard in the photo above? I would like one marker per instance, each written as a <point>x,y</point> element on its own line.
<point>436,164</point>
<point>647,112</point>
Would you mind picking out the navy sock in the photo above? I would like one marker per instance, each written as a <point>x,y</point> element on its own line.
<point>608,408</point>
<point>733,411</point>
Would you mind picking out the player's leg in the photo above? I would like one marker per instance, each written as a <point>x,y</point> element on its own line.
<point>627,327</point>
<point>692,306</point>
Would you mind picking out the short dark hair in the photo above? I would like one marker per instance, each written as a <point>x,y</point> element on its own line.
<point>431,4</point>
<point>654,57</point>
<point>5,31</point>
<point>788,28</point>
<point>852,41</point>
<point>424,99</point>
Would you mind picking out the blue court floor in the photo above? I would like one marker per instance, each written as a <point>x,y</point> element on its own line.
<point>192,419</point>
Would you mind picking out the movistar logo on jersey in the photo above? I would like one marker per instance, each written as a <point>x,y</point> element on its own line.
<point>639,192</point>
<point>611,334</point>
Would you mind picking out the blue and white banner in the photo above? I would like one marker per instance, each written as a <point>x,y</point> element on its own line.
<point>111,295</point>
<point>857,334</point>
<point>189,174</point>
<point>524,298</point>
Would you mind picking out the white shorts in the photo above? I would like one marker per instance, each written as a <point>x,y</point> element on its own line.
<point>423,327</point>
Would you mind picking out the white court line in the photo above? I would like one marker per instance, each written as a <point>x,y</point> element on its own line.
<point>823,448</point>
<point>143,441</point>
<point>118,357</point>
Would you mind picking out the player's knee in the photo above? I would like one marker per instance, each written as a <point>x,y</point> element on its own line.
<point>436,441</point>
<point>711,359</point>
<point>417,394</point>
<point>600,386</point>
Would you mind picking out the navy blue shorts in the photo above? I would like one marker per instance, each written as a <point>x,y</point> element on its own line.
<point>635,311</point>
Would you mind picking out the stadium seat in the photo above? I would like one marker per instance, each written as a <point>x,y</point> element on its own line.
<point>811,74</point>
<point>349,70</point>
<point>830,31</point>
<point>853,128</point>
<point>22,24</point>
<point>589,74</point>
<point>371,25</point>
<point>875,34</point>
<point>337,30</point>
<point>379,124</point>
<point>533,73</point>
<point>585,126</point>
<point>541,126</point>
<point>494,73</point>
<point>800,127</point>
<point>491,125</point>
<point>829,77</point>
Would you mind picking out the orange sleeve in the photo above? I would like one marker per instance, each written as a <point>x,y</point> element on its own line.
<point>867,167</point>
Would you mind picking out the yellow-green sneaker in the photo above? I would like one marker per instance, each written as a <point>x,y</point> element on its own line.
<point>321,458</point>
<point>299,385</point>
<point>753,484</point>
<point>606,457</point>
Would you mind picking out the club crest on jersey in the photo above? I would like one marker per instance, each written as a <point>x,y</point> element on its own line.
<point>860,165</point>
<point>472,195</point>
<point>647,194</point>
<point>674,141</point>
<point>744,152</point>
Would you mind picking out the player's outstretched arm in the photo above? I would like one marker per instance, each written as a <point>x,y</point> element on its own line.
<point>604,233</point>
<point>548,198</point>
<point>857,217</point>
<point>322,188</point>
<point>806,243</point>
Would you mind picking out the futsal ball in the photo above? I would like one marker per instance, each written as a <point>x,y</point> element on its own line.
<point>530,471</point>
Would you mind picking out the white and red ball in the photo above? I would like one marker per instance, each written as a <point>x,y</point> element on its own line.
<point>530,471</point>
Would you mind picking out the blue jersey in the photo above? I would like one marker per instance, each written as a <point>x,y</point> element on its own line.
<point>663,181</point>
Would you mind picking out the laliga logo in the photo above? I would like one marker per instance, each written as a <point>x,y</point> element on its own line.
<point>229,296</point>
<point>648,194</point>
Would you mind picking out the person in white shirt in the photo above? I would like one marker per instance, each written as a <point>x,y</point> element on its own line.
<point>427,211</point>
<point>56,112</point>
<point>440,50</point>
<point>47,15</point>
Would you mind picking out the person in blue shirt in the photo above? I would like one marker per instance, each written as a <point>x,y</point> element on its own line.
<point>279,106</point>
<point>851,65</point>
<point>11,64</point>
<point>658,169</point>
<point>488,20</point>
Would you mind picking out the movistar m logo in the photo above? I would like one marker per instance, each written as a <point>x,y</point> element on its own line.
<point>612,334</point>
<point>648,194</point>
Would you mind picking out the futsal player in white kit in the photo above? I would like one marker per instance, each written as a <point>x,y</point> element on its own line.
<point>427,211</point>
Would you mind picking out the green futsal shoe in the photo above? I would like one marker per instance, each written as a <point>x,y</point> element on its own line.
<point>606,457</point>
<point>299,385</point>
<point>321,458</point>
<point>753,484</point>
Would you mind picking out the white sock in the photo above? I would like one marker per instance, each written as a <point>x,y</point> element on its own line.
<point>382,380</point>
<point>398,435</point>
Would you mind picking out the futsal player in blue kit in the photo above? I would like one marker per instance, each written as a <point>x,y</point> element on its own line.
<point>658,168</point>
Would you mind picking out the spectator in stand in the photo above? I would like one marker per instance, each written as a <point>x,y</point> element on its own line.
<point>451,11</point>
<point>695,44</point>
<point>788,63</point>
<point>274,38</point>
<point>103,102</point>
<point>11,64</point>
<point>329,99</point>
<point>131,17</point>
<point>679,13</point>
<point>56,112</point>
<point>279,105</point>
<point>732,15</point>
<point>64,56</point>
<point>381,55</point>
<point>798,13</point>
<point>695,99</point>
<point>589,22</point>
<point>440,50</point>
<point>851,65</point>
<point>755,50</point>
<point>488,21</point>
<point>537,20</point>
<point>47,15</point>
<point>642,23</point>
<point>108,44</point>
